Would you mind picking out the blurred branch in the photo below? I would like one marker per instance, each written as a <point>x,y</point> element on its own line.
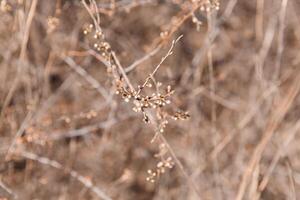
<point>22,56</point>
<point>86,182</point>
<point>31,117</point>
<point>279,153</point>
<point>275,119</point>
<point>94,83</point>
<point>142,59</point>
<point>88,129</point>
<point>8,190</point>
<point>209,39</point>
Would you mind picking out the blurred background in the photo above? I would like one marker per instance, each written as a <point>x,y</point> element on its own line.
<point>65,134</point>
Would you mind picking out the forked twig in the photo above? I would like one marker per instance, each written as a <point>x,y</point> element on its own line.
<point>151,76</point>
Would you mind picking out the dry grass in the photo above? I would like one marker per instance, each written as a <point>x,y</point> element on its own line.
<point>148,99</point>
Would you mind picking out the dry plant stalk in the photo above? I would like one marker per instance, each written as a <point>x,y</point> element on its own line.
<point>141,102</point>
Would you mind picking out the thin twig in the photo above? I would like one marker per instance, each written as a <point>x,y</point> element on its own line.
<point>143,59</point>
<point>122,72</point>
<point>150,76</point>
